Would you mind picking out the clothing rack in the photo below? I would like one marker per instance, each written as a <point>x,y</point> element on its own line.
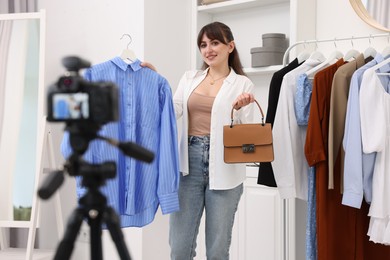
<point>371,36</point>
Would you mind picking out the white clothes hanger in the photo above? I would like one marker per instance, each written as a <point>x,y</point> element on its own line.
<point>380,64</point>
<point>352,53</point>
<point>303,55</point>
<point>127,54</point>
<point>333,58</point>
<point>370,51</point>
<point>386,50</point>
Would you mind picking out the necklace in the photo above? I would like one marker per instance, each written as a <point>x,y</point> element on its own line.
<point>214,80</point>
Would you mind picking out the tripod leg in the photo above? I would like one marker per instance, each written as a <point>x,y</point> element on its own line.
<point>95,223</point>
<point>112,221</point>
<point>65,248</point>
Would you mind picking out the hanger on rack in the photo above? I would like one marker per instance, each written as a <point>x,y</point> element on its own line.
<point>127,54</point>
<point>286,54</point>
<point>386,50</point>
<point>303,55</point>
<point>381,64</point>
<point>317,55</point>
<point>370,51</point>
<point>332,58</point>
<point>352,53</point>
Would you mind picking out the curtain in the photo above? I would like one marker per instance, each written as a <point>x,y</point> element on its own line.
<point>18,6</point>
<point>380,11</point>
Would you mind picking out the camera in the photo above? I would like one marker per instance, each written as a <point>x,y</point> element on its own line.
<point>73,99</point>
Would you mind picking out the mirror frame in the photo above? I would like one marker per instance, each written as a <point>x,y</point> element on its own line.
<point>41,17</point>
<point>365,16</point>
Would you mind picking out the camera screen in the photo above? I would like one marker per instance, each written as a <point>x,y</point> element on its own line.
<point>70,106</point>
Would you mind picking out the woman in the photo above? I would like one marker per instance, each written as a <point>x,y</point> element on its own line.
<point>204,100</point>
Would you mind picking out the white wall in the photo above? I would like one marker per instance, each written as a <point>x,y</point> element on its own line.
<point>337,19</point>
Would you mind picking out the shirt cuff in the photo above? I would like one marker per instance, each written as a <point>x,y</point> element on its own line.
<point>352,200</point>
<point>169,203</point>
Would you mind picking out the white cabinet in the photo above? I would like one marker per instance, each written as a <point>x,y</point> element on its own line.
<point>259,221</point>
<point>265,225</point>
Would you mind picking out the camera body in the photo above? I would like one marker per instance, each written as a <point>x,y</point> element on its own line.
<point>73,99</point>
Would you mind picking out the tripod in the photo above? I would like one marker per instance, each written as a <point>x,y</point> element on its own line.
<point>93,207</point>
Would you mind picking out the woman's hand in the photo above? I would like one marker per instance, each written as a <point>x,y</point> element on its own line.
<point>148,65</point>
<point>243,100</point>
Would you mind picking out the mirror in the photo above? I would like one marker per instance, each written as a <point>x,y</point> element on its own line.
<point>374,12</point>
<point>20,113</point>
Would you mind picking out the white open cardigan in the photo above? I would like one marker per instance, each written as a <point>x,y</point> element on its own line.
<point>221,175</point>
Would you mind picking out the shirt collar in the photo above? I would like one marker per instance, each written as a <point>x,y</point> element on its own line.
<point>135,66</point>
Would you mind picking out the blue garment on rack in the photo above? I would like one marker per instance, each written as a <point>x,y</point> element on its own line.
<point>303,99</point>
<point>302,111</point>
<point>147,118</point>
<point>358,166</point>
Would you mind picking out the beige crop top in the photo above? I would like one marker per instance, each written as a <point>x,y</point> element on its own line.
<point>199,114</point>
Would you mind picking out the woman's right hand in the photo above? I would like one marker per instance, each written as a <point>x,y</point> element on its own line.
<point>148,65</point>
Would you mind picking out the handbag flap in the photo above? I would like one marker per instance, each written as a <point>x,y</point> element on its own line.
<point>240,134</point>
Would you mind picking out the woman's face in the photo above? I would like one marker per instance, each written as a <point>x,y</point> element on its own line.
<point>214,52</point>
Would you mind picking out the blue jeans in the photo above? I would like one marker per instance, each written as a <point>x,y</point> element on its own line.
<point>195,196</point>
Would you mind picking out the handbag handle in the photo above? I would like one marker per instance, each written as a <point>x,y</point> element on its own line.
<point>261,111</point>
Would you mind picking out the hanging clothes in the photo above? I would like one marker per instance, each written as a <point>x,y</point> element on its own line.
<point>341,231</point>
<point>290,167</point>
<point>338,107</point>
<point>375,119</point>
<point>302,111</point>
<point>266,175</point>
<point>147,118</point>
<point>358,166</point>
<point>329,245</point>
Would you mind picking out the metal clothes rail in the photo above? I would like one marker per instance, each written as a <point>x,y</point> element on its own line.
<point>371,36</point>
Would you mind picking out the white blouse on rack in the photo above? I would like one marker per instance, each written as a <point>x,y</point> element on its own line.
<point>375,127</point>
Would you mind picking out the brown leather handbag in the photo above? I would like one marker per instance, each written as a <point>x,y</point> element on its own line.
<point>248,143</point>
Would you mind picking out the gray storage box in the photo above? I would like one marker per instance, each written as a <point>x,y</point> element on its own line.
<point>267,56</point>
<point>274,40</point>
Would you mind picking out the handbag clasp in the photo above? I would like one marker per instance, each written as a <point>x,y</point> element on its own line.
<point>248,148</point>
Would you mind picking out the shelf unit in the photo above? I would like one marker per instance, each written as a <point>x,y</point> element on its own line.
<point>249,19</point>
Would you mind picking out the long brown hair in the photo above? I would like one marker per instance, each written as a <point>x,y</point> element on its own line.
<point>221,32</point>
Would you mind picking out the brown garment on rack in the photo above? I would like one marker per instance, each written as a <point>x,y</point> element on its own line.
<point>335,223</point>
<point>338,111</point>
<point>341,230</point>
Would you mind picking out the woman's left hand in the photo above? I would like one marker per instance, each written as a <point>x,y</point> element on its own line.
<point>148,65</point>
<point>243,100</point>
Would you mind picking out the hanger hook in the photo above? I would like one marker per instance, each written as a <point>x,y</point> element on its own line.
<point>316,44</point>
<point>369,39</point>
<point>304,44</point>
<point>334,42</point>
<point>352,42</point>
<point>130,40</point>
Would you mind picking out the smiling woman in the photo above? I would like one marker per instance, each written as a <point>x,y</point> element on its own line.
<point>374,12</point>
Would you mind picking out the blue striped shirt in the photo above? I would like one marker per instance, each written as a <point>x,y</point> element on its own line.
<point>147,118</point>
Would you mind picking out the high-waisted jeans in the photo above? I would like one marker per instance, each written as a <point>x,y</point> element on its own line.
<point>195,196</point>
